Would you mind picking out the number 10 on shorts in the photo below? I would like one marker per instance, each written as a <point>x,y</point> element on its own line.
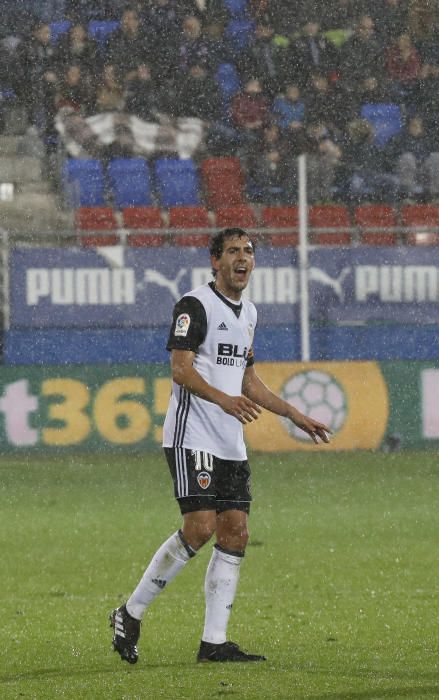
<point>203,461</point>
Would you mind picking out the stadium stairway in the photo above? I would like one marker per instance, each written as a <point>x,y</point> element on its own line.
<point>34,208</point>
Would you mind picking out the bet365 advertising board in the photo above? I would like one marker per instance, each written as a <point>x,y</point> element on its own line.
<point>97,408</point>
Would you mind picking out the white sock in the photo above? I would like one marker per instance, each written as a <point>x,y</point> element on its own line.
<point>220,587</point>
<point>166,563</point>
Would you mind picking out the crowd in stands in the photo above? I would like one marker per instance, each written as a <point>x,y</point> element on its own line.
<point>270,79</point>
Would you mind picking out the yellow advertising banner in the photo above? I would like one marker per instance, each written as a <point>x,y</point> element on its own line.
<point>350,397</point>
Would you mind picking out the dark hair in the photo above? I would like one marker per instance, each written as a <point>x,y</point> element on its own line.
<point>217,241</point>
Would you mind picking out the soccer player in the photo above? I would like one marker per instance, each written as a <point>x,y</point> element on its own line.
<point>215,391</point>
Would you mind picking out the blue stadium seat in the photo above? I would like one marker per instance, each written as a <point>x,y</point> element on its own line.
<point>386,120</point>
<point>130,181</point>
<point>227,79</point>
<point>236,8</point>
<point>99,29</point>
<point>57,29</point>
<point>83,182</point>
<point>177,182</point>
<point>239,33</point>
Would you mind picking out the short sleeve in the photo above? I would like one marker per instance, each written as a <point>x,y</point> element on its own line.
<point>189,325</point>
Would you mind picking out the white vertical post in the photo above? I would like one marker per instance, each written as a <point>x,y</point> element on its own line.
<point>303,260</point>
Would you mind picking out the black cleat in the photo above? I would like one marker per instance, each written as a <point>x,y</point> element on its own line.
<point>125,635</point>
<point>228,651</point>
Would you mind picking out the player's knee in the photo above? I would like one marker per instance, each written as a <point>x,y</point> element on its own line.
<point>234,538</point>
<point>198,533</point>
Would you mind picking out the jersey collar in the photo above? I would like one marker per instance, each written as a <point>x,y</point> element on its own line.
<point>236,308</point>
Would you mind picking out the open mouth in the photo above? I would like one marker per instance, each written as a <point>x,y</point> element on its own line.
<point>240,271</point>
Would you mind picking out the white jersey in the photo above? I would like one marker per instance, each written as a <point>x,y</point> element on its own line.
<point>221,334</point>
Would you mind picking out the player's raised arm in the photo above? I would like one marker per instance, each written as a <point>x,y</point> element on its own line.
<point>185,374</point>
<point>255,389</point>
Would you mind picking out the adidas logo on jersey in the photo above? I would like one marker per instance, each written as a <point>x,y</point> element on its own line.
<point>222,327</point>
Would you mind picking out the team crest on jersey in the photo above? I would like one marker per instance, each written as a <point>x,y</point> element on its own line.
<point>182,325</point>
<point>251,331</point>
<point>204,480</point>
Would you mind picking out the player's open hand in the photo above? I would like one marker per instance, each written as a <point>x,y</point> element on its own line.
<point>310,426</point>
<point>242,408</point>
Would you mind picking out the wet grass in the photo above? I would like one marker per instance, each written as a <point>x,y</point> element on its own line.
<point>339,587</point>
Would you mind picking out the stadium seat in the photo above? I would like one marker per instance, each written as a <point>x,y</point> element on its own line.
<point>239,33</point>
<point>177,182</point>
<point>228,81</point>
<point>142,219</point>
<point>421,222</point>
<point>223,181</point>
<point>96,219</point>
<point>57,29</point>
<point>83,182</point>
<point>236,8</point>
<point>100,29</point>
<point>240,215</point>
<point>329,224</point>
<point>130,181</point>
<point>282,218</point>
<point>386,120</point>
<point>190,218</point>
<point>377,224</point>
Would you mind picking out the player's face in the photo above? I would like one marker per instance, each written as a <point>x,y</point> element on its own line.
<point>234,267</point>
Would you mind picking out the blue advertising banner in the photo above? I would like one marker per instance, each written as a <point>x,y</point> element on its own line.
<point>118,287</point>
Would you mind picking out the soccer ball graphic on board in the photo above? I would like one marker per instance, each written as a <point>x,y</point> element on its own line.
<point>319,395</point>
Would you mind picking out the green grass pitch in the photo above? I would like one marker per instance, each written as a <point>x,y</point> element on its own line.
<point>339,587</point>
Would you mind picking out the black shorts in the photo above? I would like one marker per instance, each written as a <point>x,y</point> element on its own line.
<point>205,482</point>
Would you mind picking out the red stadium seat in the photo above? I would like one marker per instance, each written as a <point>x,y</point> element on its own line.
<point>284,218</point>
<point>377,223</point>
<point>422,223</point>
<point>144,218</point>
<point>97,219</point>
<point>330,225</point>
<point>223,182</point>
<point>241,216</point>
<point>190,218</point>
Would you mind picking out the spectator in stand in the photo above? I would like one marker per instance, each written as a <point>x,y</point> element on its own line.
<point>264,58</point>
<point>423,23</point>
<point>284,15</point>
<point>325,102</point>
<point>390,19</point>
<point>362,54</point>
<point>198,96</point>
<point>363,173</point>
<point>128,47</point>
<point>194,46</point>
<point>110,92</point>
<point>311,52</point>
<point>249,112</point>
<point>207,11</point>
<point>323,155</point>
<point>76,47</point>
<point>338,15</point>
<point>266,170</point>
<point>144,98</point>
<point>289,109</point>
<point>38,77</point>
<point>411,159</point>
<point>404,69</point>
<point>427,100</point>
<point>75,92</point>
<point>162,20</point>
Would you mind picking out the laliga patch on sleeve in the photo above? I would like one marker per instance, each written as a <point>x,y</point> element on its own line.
<point>182,325</point>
